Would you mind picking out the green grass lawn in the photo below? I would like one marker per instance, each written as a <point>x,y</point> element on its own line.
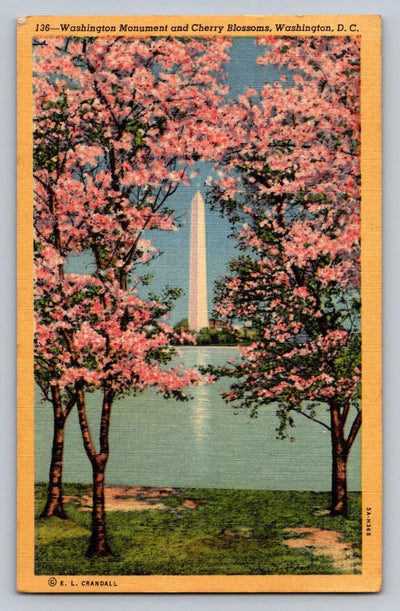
<point>231,532</point>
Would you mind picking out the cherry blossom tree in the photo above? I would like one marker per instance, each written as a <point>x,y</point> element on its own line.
<point>51,144</point>
<point>292,193</point>
<point>119,123</point>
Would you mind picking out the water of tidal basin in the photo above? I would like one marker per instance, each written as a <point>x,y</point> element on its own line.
<point>201,443</point>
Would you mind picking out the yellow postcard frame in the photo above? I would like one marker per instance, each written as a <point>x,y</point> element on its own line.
<point>369,28</point>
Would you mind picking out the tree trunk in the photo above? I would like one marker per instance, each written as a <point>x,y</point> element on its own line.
<point>54,504</point>
<point>340,455</point>
<point>98,545</point>
<point>339,484</point>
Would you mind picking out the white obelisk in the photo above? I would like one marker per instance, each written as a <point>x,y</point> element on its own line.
<point>198,310</point>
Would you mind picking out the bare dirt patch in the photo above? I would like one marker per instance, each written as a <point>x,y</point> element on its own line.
<point>326,543</point>
<point>134,498</point>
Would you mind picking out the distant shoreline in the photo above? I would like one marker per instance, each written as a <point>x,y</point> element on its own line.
<point>197,346</point>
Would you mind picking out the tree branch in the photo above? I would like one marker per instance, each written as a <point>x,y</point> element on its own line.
<point>299,411</point>
<point>84,424</point>
<point>354,430</point>
<point>70,404</point>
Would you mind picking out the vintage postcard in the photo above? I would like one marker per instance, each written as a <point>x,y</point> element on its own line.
<point>199,385</point>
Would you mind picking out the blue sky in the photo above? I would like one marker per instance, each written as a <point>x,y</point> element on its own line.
<point>172,268</point>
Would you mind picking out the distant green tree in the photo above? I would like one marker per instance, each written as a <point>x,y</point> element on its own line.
<point>218,337</point>
<point>182,325</point>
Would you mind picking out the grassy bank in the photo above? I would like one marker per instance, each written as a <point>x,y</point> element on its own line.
<point>200,531</point>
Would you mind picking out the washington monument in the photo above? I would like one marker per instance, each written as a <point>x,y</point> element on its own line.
<point>198,310</point>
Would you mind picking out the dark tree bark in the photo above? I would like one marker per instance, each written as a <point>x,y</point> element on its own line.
<point>340,455</point>
<point>54,504</point>
<point>98,545</point>
<point>339,482</point>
